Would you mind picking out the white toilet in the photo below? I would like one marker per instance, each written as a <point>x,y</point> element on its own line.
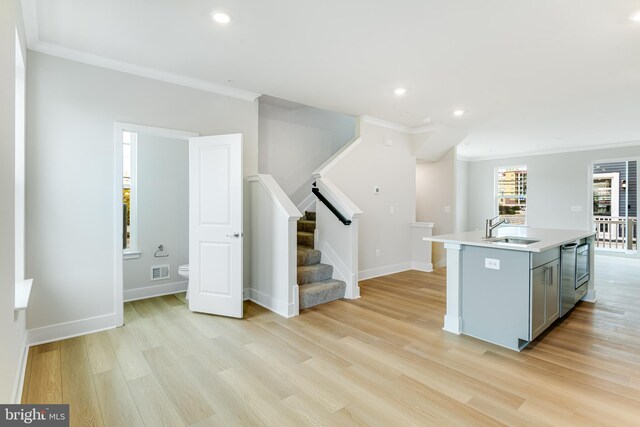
<point>183,271</point>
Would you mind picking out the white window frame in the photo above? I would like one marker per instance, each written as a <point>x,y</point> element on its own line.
<point>496,203</point>
<point>132,252</point>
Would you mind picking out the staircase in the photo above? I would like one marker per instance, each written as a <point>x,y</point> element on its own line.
<point>315,282</point>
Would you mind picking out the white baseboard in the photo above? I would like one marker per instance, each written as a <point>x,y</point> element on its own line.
<point>16,398</point>
<point>383,271</point>
<point>427,267</point>
<point>308,201</point>
<point>155,291</point>
<point>452,324</point>
<point>270,303</point>
<point>72,329</point>
<point>590,296</point>
<point>340,269</point>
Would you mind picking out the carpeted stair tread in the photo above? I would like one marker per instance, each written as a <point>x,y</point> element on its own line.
<point>308,256</point>
<point>314,273</point>
<point>321,292</point>
<point>306,226</point>
<point>305,239</point>
<point>310,216</point>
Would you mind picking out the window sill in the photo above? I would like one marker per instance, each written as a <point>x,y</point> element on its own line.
<point>131,254</point>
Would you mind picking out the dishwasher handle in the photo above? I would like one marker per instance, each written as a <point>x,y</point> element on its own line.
<point>570,246</point>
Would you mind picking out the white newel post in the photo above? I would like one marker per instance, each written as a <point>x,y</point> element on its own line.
<point>452,319</point>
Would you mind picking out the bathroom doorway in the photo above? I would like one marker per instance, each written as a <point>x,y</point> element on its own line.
<point>152,212</point>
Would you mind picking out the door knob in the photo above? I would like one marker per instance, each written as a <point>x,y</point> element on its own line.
<point>236,235</point>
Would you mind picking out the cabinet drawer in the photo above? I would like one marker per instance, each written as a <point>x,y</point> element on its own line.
<point>538,259</point>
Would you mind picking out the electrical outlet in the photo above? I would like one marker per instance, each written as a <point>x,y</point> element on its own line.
<point>377,252</point>
<point>447,209</point>
<point>492,263</point>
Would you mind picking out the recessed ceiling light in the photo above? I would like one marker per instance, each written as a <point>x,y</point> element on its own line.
<point>635,16</point>
<point>400,91</point>
<point>426,120</point>
<point>458,113</point>
<point>221,17</point>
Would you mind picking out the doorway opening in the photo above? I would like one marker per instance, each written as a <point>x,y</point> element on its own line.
<point>615,205</point>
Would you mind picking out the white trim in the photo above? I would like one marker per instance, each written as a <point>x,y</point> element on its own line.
<point>133,191</point>
<point>277,195</point>
<point>131,254</point>
<point>118,128</point>
<point>278,306</point>
<point>396,126</point>
<point>426,267</point>
<point>16,397</point>
<point>138,70</point>
<point>71,329</point>
<point>338,198</point>
<point>30,19</point>
<point>22,294</point>
<point>422,224</point>
<point>329,256</point>
<point>452,324</point>
<point>557,151</point>
<point>337,157</point>
<point>384,271</point>
<point>590,296</point>
<point>155,291</point>
<point>308,201</point>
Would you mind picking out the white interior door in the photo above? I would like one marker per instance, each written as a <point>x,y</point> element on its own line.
<point>215,225</point>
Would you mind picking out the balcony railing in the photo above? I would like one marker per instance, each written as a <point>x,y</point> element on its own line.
<point>616,232</point>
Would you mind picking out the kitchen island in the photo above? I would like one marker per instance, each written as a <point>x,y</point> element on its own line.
<point>509,289</point>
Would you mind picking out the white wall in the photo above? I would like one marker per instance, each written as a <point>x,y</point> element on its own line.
<point>393,169</point>
<point>71,110</point>
<point>295,139</point>
<point>10,355</point>
<point>163,211</point>
<point>555,183</point>
<point>435,199</point>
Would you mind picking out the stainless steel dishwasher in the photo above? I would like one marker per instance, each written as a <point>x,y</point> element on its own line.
<point>574,266</point>
<point>568,275</point>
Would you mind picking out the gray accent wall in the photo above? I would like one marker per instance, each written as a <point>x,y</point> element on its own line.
<point>556,183</point>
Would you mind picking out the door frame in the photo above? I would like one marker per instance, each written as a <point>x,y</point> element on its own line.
<point>118,260</point>
<point>592,163</point>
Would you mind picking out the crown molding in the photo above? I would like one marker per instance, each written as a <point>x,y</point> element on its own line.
<point>30,17</point>
<point>150,73</point>
<point>396,126</point>
<point>546,152</point>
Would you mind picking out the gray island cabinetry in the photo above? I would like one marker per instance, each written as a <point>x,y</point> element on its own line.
<point>507,290</point>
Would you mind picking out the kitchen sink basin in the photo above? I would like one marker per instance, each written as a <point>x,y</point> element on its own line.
<point>521,241</point>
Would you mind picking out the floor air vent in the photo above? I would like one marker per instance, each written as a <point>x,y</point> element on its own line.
<point>159,272</point>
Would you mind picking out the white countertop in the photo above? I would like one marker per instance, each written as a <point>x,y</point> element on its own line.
<point>548,238</point>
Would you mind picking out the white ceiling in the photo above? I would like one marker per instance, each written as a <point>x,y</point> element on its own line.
<point>533,76</point>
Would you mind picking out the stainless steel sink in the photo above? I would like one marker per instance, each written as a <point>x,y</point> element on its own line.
<point>521,241</point>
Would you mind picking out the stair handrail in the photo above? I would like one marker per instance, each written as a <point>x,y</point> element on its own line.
<point>315,190</point>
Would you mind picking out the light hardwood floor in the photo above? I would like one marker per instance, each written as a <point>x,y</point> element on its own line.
<point>379,360</point>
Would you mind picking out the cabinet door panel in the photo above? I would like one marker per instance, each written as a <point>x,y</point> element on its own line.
<point>553,292</point>
<point>538,301</point>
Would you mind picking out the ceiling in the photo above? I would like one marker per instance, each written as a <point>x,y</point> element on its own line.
<point>532,76</point>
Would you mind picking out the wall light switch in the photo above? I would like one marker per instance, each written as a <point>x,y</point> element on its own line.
<point>447,209</point>
<point>377,252</point>
<point>492,263</point>
<point>392,210</point>
<point>376,190</point>
<point>576,208</point>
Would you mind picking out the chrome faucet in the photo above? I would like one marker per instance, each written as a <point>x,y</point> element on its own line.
<point>490,226</point>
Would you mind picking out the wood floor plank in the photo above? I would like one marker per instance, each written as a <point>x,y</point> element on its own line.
<point>153,404</point>
<point>380,360</point>
<point>116,403</point>
<point>187,400</point>
<point>45,380</point>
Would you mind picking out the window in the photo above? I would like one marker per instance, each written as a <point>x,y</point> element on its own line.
<point>129,193</point>
<point>511,194</point>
